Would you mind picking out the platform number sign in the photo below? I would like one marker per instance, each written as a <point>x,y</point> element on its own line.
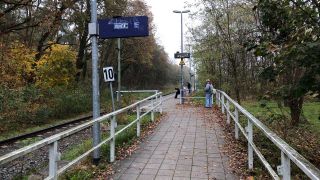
<point>108,74</point>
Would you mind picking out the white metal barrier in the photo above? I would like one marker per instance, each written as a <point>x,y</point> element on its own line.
<point>145,91</point>
<point>288,154</point>
<point>52,141</point>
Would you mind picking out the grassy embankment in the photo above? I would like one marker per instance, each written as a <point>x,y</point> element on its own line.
<point>30,109</point>
<point>304,138</point>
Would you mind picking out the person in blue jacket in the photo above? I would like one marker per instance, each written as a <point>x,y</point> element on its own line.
<point>208,91</point>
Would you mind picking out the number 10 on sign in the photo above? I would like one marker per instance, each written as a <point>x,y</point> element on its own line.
<point>109,77</point>
<point>108,74</point>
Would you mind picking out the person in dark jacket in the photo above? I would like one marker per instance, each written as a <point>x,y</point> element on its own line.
<point>177,92</point>
<point>189,87</point>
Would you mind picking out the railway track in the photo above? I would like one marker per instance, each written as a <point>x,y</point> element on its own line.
<point>45,130</point>
<point>36,159</point>
<point>75,121</point>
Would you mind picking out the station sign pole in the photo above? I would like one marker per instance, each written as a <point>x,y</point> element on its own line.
<point>119,74</point>
<point>93,32</point>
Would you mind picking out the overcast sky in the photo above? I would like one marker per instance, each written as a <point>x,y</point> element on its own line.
<point>168,24</point>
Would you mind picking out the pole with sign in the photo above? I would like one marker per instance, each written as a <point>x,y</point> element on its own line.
<point>109,77</point>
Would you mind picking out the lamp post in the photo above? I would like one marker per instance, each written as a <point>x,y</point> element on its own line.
<point>181,63</point>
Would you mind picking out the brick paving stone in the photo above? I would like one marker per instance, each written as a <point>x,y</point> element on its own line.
<point>158,156</point>
<point>165,172</point>
<point>153,166</point>
<point>217,175</point>
<point>163,178</point>
<point>168,166</point>
<point>180,178</point>
<point>182,173</point>
<point>149,171</point>
<point>146,177</point>
<point>138,165</point>
<point>155,160</point>
<point>141,160</point>
<point>128,176</point>
<point>198,174</point>
<point>132,170</point>
<point>181,147</point>
<point>183,167</point>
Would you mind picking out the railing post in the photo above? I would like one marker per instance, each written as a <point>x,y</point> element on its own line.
<point>250,140</point>
<point>285,170</point>
<point>228,110</point>
<point>157,95</point>
<point>212,99</point>
<point>152,110</point>
<point>113,140</point>
<point>217,98</point>
<point>236,128</point>
<point>222,105</point>
<point>138,122</point>
<point>53,158</point>
<point>161,104</point>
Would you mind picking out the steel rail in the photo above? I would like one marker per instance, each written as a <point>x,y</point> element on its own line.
<point>40,131</point>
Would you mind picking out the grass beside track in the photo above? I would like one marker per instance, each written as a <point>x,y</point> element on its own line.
<point>16,130</point>
<point>124,139</point>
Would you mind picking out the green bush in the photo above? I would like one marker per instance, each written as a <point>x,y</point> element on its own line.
<point>30,106</point>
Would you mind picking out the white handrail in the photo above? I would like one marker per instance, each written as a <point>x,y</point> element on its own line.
<point>287,152</point>
<point>52,141</point>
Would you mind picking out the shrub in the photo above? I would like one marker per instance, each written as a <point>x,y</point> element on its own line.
<point>56,67</point>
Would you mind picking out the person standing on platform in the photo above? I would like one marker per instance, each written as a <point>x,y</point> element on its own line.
<point>208,91</point>
<point>177,92</point>
<point>189,87</point>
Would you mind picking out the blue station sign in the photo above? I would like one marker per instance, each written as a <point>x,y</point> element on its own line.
<point>122,27</point>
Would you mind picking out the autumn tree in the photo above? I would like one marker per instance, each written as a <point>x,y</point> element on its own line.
<point>290,40</point>
<point>220,43</point>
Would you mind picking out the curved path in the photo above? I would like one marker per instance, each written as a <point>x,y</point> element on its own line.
<point>183,146</point>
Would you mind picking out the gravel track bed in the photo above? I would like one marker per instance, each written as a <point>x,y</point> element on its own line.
<point>37,161</point>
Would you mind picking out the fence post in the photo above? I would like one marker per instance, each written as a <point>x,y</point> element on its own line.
<point>157,96</point>
<point>160,103</point>
<point>285,170</point>
<point>222,105</point>
<point>211,99</point>
<point>152,110</point>
<point>217,98</point>
<point>113,140</point>
<point>250,140</point>
<point>236,128</point>
<point>138,122</point>
<point>53,158</point>
<point>228,110</point>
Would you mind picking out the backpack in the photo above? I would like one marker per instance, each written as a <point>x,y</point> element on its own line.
<point>209,89</point>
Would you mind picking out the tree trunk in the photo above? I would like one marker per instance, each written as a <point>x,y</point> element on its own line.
<point>295,105</point>
<point>81,60</point>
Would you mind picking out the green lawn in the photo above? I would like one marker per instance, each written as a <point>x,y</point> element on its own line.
<point>311,111</point>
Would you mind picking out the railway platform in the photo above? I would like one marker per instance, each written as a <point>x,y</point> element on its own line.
<point>183,146</point>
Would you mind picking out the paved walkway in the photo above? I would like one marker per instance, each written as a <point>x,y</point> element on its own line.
<point>182,147</point>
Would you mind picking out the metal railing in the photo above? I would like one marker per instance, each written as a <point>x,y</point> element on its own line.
<point>52,141</point>
<point>288,154</point>
<point>143,91</point>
